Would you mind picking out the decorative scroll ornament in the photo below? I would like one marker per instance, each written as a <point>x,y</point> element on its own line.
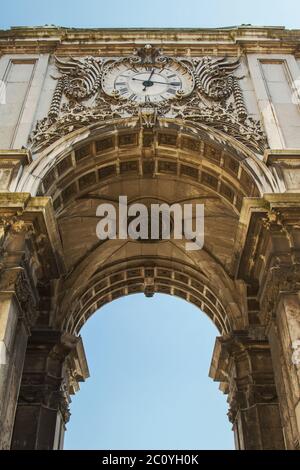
<point>214,99</point>
<point>214,77</point>
<point>80,80</point>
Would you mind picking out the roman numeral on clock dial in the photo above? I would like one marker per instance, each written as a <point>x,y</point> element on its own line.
<point>148,83</point>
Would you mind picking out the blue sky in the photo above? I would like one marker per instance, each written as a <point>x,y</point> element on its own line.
<point>149,358</point>
<point>155,13</point>
<point>149,387</point>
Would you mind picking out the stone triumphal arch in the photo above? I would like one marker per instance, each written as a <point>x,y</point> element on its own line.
<point>171,116</point>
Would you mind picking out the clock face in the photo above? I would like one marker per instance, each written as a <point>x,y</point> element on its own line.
<point>146,83</point>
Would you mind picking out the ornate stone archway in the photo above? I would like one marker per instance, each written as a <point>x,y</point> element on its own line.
<point>200,144</point>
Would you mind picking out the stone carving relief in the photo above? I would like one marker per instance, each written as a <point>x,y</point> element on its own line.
<point>51,395</point>
<point>282,279</point>
<point>215,98</point>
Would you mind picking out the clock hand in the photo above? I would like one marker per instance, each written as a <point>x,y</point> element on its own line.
<point>152,72</point>
<point>147,82</point>
<point>139,79</point>
<point>161,83</point>
<point>152,81</point>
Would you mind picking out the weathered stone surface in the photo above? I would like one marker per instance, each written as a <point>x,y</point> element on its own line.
<point>226,134</point>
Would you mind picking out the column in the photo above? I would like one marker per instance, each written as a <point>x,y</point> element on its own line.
<point>281,312</point>
<point>269,258</point>
<point>30,258</point>
<point>243,365</point>
<point>17,311</point>
<point>54,361</point>
<point>13,340</point>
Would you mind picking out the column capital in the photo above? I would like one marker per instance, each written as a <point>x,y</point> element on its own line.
<point>268,235</point>
<point>281,279</point>
<point>20,213</point>
<point>30,250</point>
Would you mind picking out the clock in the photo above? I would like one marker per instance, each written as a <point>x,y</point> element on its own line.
<point>148,83</point>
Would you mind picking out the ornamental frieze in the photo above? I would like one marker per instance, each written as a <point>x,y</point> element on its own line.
<point>148,85</point>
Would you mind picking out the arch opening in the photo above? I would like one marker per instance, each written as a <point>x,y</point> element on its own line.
<point>149,360</point>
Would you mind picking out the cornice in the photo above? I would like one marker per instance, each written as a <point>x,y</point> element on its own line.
<point>186,41</point>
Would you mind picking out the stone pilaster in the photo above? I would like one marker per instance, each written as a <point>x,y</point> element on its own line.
<point>13,341</point>
<point>281,312</point>
<point>18,302</point>
<point>54,365</point>
<point>270,260</point>
<point>244,367</point>
<point>26,261</point>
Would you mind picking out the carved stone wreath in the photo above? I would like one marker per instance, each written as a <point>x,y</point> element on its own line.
<point>215,101</point>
